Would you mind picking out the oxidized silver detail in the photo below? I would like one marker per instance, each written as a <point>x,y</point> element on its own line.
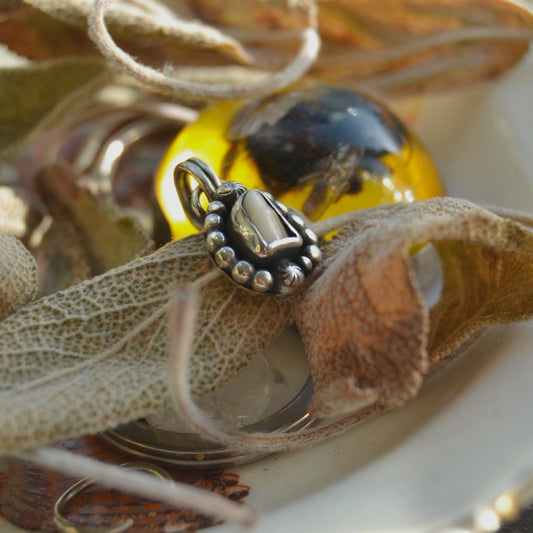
<point>291,276</point>
<point>229,191</point>
<point>253,238</point>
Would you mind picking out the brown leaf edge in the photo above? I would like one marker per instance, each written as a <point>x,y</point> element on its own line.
<point>43,30</point>
<point>369,336</point>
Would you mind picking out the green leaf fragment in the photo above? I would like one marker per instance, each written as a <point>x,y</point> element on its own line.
<point>35,96</point>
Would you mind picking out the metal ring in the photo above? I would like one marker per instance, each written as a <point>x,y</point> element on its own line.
<point>66,526</point>
<point>189,450</point>
<point>208,183</point>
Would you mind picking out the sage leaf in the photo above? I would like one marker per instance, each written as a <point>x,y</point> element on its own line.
<point>367,330</point>
<point>405,46</point>
<point>18,275</point>
<point>61,258</point>
<point>481,288</point>
<point>99,236</point>
<point>93,356</point>
<point>139,24</point>
<point>34,96</point>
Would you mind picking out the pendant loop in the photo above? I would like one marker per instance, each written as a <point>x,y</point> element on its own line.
<point>208,183</point>
<point>253,238</point>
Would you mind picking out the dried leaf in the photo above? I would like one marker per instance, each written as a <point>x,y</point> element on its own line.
<point>98,235</point>
<point>18,275</point>
<point>363,320</point>
<point>53,30</point>
<point>61,258</point>
<point>88,358</point>
<point>414,45</point>
<point>36,35</point>
<point>404,46</point>
<point>140,24</point>
<point>481,287</point>
<point>32,97</point>
<point>252,15</point>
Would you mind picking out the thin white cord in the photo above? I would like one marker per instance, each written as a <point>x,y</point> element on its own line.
<point>158,80</point>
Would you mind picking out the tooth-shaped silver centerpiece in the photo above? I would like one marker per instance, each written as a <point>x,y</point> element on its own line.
<point>252,238</point>
<point>261,232</point>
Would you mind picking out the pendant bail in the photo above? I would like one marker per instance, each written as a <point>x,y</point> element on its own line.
<point>208,183</point>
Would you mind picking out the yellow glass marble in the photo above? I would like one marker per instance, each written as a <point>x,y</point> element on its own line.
<point>320,149</point>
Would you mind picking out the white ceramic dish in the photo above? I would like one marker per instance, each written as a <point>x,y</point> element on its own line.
<point>467,437</point>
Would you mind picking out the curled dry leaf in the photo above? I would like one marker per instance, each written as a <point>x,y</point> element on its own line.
<point>34,96</point>
<point>34,34</point>
<point>139,25</point>
<point>414,45</point>
<point>481,287</point>
<point>18,275</point>
<point>367,330</point>
<point>95,355</point>
<point>404,46</point>
<point>53,30</point>
<point>245,17</point>
<point>93,233</point>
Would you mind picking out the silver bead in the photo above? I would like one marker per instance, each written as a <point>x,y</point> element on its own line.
<point>282,207</point>
<point>297,221</point>
<point>291,277</point>
<point>216,207</point>
<point>225,258</point>
<point>242,272</point>
<point>212,221</point>
<point>263,281</point>
<point>313,252</point>
<point>215,240</point>
<point>305,262</point>
<point>309,236</point>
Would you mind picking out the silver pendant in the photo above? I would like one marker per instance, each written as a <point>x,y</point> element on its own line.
<point>253,238</point>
